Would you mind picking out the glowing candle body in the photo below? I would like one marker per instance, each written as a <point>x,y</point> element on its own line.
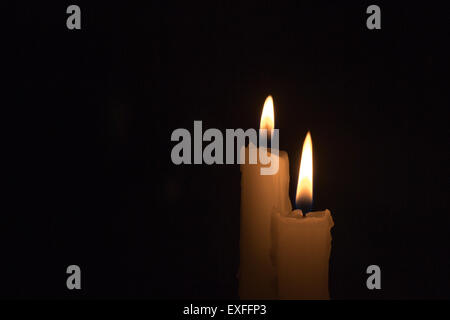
<point>302,246</point>
<point>302,243</point>
<point>261,195</point>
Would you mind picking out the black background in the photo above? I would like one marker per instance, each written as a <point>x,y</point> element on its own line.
<point>90,179</point>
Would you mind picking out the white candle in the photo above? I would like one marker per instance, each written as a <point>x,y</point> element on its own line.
<point>302,243</point>
<point>303,246</point>
<point>261,195</point>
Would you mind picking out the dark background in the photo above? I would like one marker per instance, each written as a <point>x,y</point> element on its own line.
<point>89,175</point>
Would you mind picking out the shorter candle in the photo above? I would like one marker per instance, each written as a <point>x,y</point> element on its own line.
<point>302,243</point>
<point>303,246</point>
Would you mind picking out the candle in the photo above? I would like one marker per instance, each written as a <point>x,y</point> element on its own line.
<point>302,242</point>
<point>260,196</point>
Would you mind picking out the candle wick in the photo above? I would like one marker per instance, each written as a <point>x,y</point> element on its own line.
<point>305,208</point>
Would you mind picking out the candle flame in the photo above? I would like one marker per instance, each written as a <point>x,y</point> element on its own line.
<point>305,177</point>
<point>267,117</point>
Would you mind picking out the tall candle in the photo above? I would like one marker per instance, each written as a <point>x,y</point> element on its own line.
<point>302,243</point>
<point>261,195</point>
